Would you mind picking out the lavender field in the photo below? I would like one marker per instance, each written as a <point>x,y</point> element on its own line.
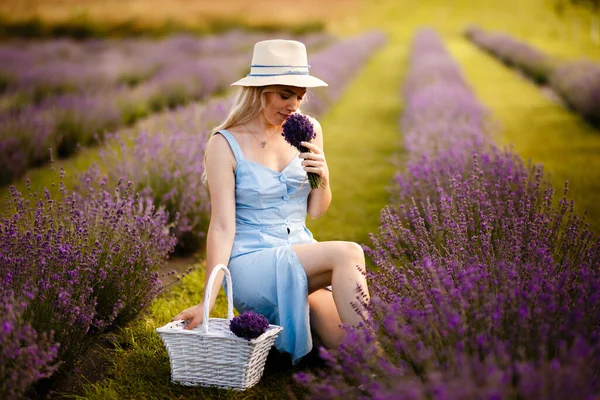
<point>466,191</point>
<point>484,289</point>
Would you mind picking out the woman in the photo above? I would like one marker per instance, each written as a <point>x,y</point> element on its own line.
<point>260,197</point>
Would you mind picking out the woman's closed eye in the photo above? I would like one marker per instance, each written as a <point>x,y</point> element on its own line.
<point>285,97</point>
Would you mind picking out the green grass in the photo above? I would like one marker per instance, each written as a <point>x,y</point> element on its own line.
<point>360,138</point>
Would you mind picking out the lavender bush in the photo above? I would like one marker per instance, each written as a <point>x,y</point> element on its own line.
<point>24,142</point>
<point>25,355</point>
<point>443,122</point>
<point>515,53</point>
<point>478,294</point>
<point>578,82</point>
<point>484,288</point>
<point>85,260</point>
<point>165,159</point>
<point>78,119</point>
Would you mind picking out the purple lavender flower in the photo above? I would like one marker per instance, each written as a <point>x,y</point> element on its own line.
<point>297,129</point>
<point>249,325</point>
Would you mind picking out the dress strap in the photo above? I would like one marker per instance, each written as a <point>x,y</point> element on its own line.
<point>233,143</point>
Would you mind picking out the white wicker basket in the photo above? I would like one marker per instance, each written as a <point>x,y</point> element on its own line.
<point>212,355</point>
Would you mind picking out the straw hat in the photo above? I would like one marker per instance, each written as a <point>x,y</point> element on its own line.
<point>279,62</point>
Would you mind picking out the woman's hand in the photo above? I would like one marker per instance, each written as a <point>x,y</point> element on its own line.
<point>314,161</point>
<point>192,314</point>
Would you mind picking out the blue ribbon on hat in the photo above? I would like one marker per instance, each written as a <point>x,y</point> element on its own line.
<point>285,73</point>
<point>280,66</point>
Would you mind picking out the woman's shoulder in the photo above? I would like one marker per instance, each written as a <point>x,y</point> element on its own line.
<point>218,147</point>
<point>234,130</point>
<point>315,123</point>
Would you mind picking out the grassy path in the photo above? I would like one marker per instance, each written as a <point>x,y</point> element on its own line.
<point>361,135</point>
<point>540,129</point>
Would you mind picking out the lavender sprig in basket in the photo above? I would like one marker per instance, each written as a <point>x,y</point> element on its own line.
<point>249,325</point>
<point>297,128</point>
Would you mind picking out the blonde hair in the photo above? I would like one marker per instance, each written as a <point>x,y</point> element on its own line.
<point>249,101</point>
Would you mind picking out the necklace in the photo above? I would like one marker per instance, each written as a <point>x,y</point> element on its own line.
<point>263,143</point>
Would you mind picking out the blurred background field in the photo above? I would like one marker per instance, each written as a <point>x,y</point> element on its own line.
<point>93,18</point>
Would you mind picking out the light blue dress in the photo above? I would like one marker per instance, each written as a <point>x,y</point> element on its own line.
<point>267,277</point>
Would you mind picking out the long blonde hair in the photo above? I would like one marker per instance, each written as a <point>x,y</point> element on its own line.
<point>247,104</point>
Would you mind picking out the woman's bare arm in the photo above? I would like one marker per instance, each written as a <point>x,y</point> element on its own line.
<point>220,167</point>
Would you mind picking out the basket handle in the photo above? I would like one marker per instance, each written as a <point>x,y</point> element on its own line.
<point>208,290</point>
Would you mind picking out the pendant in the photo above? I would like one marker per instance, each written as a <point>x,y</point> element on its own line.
<point>263,144</point>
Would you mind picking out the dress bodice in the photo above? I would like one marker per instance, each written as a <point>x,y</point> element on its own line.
<point>270,206</point>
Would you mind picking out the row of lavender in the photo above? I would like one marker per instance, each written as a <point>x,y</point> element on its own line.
<point>76,264</point>
<point>35,70</point>
<point>485,288</point>
<point>577,82</point>
<point>59,94</point>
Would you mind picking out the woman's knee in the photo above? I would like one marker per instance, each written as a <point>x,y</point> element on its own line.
<point>352,253</point>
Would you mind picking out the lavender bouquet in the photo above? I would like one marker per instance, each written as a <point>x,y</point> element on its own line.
<point>297,129</point>
<point>249,325</point>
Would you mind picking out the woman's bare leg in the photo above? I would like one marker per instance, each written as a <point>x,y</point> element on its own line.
<point>324,318</point>
<point>338,264</point>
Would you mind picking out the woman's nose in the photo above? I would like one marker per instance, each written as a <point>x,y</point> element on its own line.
<point>293,105</point>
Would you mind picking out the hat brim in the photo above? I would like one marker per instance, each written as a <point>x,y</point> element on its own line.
<point>287,80</point>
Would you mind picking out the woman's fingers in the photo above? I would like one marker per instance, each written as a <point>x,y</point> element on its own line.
<point>313,156</point>
<point>318,171</point>
<point>312,162</point>
<point>197,320</point>
<point>312,147</point>
<point>193,315</point>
